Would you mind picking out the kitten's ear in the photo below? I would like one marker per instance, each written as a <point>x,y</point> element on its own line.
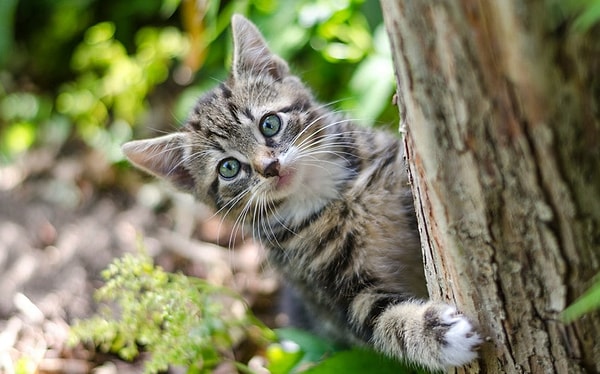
<point>162,157</point>
<point>251,54</point>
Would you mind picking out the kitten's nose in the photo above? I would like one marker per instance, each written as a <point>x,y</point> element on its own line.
<point>270,168</point>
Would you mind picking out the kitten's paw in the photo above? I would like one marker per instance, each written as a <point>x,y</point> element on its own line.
<point>432,334</point>
<point>459,337</point>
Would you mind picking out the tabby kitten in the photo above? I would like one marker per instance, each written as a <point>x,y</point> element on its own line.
<point>328,199</point>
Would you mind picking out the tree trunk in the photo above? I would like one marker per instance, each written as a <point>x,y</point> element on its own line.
<point>500,102</point>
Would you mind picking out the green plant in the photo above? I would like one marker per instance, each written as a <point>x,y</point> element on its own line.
<point>180,320</point>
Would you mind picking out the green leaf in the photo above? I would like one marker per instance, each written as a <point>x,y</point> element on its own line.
<point>297,351</point>
<point>18,137</point>
<point>589,16</point>
<point>281,359</point>
<point>359,361</point>
<point>321,356</point>
<point>588,302</point>
<point>314,347</point>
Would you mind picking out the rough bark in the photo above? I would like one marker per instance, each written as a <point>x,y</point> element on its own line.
<point>500,107</point>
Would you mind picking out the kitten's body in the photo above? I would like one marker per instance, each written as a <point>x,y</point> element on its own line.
<point>328,199</point>
<point>344,251</point>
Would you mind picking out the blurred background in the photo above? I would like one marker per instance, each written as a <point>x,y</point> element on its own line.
<point>78,78</point>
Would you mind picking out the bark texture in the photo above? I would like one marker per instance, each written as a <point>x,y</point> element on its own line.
<point>499,102</point>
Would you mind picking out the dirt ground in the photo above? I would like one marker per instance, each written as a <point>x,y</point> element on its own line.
<point>63,219</point>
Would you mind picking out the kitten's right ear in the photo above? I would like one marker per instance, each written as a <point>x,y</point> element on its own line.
<point>163,157</point>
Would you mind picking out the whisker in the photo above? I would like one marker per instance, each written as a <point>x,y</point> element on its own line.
<point>311,136</point>
<point>327,144</point>
<point>232,203</point>
<point>309,126</point>
<point>239,221</point>
<point>262,213</point>
<point>273,235</point>
<point>279,219</point>
<point>255,229</point>
<point>319,163</point>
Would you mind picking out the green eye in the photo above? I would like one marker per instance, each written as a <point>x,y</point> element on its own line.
<point>270,125</point>
<point>229,168</point>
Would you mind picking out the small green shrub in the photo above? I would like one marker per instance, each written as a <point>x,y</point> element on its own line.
<point>179,320</point>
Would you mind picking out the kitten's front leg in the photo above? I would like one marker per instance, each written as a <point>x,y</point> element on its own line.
<point>433,334</point>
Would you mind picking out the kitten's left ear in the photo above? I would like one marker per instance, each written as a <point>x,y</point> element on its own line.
<point>251,54</point>
<point>163,157</point>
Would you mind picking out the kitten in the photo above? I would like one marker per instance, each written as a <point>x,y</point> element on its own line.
<point>329,200</point>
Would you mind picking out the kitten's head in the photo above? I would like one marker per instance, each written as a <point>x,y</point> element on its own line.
<point>256,142</point>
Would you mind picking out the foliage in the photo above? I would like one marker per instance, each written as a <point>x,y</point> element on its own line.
<point>587,303</point>
<point>181,320</point>
<point>99,71</point>
<point>301,352</point>
<point>358,361</point>
<point>112,83</point>
<point>587,13</point>
<point>581,14</point>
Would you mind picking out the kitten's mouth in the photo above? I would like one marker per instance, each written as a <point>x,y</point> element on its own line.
<point>285,179</point>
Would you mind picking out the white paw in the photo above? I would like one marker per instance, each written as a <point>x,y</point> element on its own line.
<point>461,339</point>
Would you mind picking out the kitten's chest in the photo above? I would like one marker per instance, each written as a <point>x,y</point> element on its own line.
<point>353,242</point>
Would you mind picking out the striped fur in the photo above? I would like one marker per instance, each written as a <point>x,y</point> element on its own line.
<point>328,199</point>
